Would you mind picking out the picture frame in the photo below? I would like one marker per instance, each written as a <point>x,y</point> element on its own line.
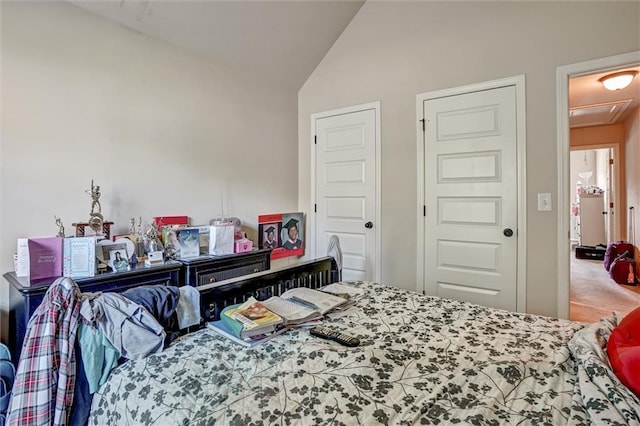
<point>107,247</point>
<point>269,235</point>
<point>79,257</point>
<point>119,260</point>
<point>289,232</point>
<point>292,232</point>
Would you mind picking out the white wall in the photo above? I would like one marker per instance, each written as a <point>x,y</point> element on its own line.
<point>597,162</point>
<point>392,51</point>
<point>161,130</point>
<point>582,161</point>
<point>602,166</point>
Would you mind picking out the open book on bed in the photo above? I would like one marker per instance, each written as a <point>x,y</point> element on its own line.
<point>300,305</point>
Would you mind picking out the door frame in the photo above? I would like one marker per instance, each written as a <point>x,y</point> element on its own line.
<point>312,218</point>
<point>518,82</point>
<point>563,74</point>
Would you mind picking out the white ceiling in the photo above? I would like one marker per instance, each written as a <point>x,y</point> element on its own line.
<point>591,104</point>
<point>281,42</point>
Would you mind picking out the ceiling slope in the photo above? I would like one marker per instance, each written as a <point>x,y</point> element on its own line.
<point>279,42</point>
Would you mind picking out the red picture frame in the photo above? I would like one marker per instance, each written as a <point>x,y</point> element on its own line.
<point>281,226</point>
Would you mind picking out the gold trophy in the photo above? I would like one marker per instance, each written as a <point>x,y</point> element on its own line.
<point>95,217</point>
<point>96,220</point>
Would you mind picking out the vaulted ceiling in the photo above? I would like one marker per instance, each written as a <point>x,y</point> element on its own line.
<point>277,41</point>
<point>282,42</point>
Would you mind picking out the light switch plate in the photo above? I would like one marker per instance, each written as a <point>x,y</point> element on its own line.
<point>544,202</point>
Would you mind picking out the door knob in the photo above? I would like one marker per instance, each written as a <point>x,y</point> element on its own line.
<point>368,225</point>
<point>507,232</point>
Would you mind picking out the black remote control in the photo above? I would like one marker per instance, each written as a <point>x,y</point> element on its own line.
<point>336,336</point>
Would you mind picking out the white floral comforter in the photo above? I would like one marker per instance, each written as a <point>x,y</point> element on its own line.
<point>422,360</point>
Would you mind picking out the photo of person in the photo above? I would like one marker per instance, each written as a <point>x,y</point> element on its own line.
<point>270,238</point>
<point>282,233</point>
<point>293,240</point>
<point>119,260</point>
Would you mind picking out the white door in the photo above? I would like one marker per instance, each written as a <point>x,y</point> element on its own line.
<point>346,188</point>
<point>471,197</point>
<point>592,221</point>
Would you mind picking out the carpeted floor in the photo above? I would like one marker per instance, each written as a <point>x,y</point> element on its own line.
<point>595,295</point>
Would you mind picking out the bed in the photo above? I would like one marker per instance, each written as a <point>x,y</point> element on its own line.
<point>422,360</point>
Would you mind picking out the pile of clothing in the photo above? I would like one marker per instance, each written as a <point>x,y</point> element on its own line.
<point>74,339</point>
<point>7,376</point>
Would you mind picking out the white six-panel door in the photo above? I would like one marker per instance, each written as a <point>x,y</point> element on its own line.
<point>471,190</point>
<point>346,188</point>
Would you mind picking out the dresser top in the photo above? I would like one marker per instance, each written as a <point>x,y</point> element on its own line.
<point>206,258</point>
<point>25,285</point>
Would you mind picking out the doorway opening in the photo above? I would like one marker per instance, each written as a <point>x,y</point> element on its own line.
<point>593,295</point>
<point>574,137</point>
<point>593,200</point>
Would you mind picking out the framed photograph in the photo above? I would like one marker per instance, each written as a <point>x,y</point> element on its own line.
<point>288,234</point>
<point>292,232</point>
<point>118,260</point>
<point>107,246</point>
<point>269,235</point>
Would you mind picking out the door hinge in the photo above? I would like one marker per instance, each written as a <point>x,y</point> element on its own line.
<point>610,160</point>
<point>315,208</point>
<point>423,124</point>
<point>315,139</point>
<point>424,211</point>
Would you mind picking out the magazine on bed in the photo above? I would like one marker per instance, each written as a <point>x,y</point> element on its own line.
<point>249,319</point>
<point>301,305</point>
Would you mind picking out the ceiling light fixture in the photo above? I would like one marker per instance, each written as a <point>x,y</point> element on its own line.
<point>617,80</point>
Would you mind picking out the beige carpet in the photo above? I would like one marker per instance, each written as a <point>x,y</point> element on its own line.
<point>594,295</point>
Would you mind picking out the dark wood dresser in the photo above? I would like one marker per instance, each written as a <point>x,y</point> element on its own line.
<point>203,270</point>
<point>26,296</point>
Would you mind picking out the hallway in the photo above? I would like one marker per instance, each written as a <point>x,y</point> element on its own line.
<point>594,295</point>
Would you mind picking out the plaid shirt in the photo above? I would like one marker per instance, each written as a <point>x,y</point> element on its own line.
<point>43,390</point>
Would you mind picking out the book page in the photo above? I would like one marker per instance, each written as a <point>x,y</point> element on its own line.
<point>338,288</point>
<point>290,311</point>
<point>324,302</point>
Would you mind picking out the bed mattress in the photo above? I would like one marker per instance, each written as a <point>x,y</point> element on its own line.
<point>422,360</point>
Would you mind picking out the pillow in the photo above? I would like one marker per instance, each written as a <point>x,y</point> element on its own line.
<point>623,350</point>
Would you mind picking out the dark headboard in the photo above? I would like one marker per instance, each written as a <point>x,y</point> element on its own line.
<point>262,285</point>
